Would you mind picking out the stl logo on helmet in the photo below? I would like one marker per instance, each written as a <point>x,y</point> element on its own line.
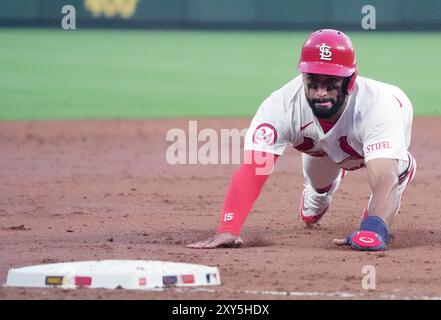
<point>325,52</point>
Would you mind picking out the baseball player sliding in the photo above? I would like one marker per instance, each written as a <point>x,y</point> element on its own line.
<point>339,121</point>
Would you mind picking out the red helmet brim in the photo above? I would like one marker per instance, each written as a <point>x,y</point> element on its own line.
<point>325,68</point>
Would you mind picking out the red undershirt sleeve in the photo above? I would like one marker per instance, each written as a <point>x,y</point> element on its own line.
<point>245,186</point>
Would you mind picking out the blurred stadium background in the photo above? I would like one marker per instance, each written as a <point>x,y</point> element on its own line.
<point>197,58</point>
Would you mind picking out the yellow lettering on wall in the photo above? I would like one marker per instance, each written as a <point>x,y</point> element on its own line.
<point>111,8</point>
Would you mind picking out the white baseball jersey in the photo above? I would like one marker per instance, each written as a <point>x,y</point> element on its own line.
<point>376,123</point>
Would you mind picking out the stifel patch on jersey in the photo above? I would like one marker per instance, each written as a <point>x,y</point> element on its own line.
<point>378,146</point>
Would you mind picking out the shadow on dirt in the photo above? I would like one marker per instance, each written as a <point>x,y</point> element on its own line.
<point>182,238</point>
<point>413,238</point>
<point>298,236</point>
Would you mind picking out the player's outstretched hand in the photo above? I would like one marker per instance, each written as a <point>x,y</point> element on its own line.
<point>363,241</point>
<point>218,240</point>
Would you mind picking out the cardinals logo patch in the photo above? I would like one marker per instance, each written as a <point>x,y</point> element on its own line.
<point>265,135</point>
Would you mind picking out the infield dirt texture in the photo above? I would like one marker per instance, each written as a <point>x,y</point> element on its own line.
<point>101,189</point>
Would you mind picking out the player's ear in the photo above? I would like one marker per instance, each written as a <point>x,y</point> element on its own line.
<point>349,83</point>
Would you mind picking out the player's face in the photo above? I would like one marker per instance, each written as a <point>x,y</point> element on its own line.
<point>325,94</point>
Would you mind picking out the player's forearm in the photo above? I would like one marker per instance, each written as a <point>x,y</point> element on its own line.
<point>385,198</point>
<point>383,178</point>
<point>245,186</point>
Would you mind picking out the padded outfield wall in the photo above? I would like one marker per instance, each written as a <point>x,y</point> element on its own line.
<point>225,14</point>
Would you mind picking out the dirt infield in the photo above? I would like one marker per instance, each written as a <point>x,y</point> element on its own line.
<point>85,190</point>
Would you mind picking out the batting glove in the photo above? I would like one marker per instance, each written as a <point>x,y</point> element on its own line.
<point>373,235</point>
<point>366,241</point>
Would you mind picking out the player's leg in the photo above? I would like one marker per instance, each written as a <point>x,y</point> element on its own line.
<point>322,178</point>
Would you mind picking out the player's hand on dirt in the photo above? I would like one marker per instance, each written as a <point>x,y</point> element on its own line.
<point>341,242</point>
<point>218,240</point>
<point>363,241</point>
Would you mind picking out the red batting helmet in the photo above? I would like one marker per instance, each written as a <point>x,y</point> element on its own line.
<point>329,52</point>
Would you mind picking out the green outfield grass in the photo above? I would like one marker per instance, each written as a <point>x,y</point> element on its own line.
<point>55,74</point>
